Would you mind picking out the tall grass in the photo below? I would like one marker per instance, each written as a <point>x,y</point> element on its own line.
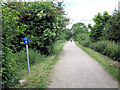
<point>108,48</point>
<point>17,62</point>
<point>21,58</point>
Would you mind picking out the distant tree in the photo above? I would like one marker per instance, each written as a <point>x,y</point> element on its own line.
<point>68,34</point>
<point>80,31</point>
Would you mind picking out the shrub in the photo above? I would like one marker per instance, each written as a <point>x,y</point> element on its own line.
<point>12,30</point>
<point>9,77</point>
<point>100,46</point>
<point>45,22</point>
<point>92,45</point>
<point>111,50</point>
<point>85,43</point>
<point>21,58</point>
<point>14,63</point>
<point>108,48</point>
<point>42,22</point>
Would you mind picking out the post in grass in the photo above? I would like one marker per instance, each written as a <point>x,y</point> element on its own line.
<point>26,41</point>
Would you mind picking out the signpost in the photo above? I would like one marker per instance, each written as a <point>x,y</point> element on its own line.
<point>26,41</point>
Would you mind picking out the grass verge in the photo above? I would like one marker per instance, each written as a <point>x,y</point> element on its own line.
<point>109,65</point>
<point>39,73</point>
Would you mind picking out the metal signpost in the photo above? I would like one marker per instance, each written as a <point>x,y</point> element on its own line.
<point>26,41</point>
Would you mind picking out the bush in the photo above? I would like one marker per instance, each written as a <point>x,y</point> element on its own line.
<point>21,58</point>
<point>42,22</point>
<point>100,46</point>
<point>14,63</point>
<point>45,22</point>
<point>108,48</point>
<point>112,50</point>
<point>9,77</point>
<point>12,30</point>
<point>85,43</point>
<point>92,45</point>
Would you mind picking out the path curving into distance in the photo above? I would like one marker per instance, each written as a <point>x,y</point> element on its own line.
<point>76,69</point>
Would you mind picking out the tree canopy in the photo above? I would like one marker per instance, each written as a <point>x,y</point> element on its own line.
<point>100,21</point>
<point>80,31</point>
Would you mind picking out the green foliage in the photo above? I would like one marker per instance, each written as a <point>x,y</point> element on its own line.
<point>42,22</point>
<point>8,69</point>
<point>14,63</point>
<point>104,36</point>
<point>21,58</point>
<point>107,29</point>
<point>99,46</point>
<point>108,48</point>
<point>85,43</point>
<point>82,36</point>
<point>100,21</point>
<point>80,31</point>
<point>112,50</point>
<point>68,34</point>
<point>10,30</point>
<point>111,30</point>
<point>39,73</point>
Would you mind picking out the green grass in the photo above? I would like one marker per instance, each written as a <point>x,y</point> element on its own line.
<point>39,73</point>
<point>109,65</point>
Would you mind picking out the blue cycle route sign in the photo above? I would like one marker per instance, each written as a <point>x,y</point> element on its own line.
<point>25,40</point>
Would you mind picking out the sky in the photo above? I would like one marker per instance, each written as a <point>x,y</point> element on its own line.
<point>85,10</point>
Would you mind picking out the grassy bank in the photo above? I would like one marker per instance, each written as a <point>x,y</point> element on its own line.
<point>109,65</point>
<point>39,73</point>
<point>105,47</point>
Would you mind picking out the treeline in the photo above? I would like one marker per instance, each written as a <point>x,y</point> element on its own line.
<point>103,37</point>
<point>42,22</point>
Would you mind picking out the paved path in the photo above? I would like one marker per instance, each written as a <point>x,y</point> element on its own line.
<point>76,69</point>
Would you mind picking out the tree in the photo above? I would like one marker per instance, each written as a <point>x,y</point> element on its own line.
<point>100,21</point>
<point>112,28</point>
<point>68,34</point>
<point>80,31</point>
<point>44,22</point>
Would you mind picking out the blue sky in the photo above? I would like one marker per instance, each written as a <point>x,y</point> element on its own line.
<point>85,10</point>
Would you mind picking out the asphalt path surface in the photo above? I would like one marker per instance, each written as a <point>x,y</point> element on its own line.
<point>76,69</point>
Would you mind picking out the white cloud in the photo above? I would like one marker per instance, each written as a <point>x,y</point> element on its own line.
<point>85,10</point>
